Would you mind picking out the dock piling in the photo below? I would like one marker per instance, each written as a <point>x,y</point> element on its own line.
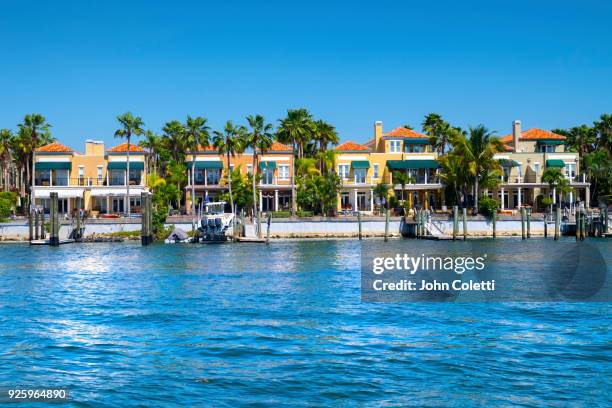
<point>494,219</point>
<point>268,231</point>
<point>455,222</point>
<point>464,223</point>
<point>529,223</point>
<point>359,222</point>
<point>30,225</point>
<point>557,222</point>
<point>36,220</point>
<point>54,220</point>
<point>523,223</point>
<point>43,233</point>
<point>387,225</point>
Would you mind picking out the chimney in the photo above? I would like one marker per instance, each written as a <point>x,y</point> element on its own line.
<point>516,134</point>
<point>94,147</point>
<point>378,132</point>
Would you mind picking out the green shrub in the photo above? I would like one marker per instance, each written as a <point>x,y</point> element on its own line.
<point>304,213</point>
<point>5,208</point>
<point>281,214</point>
<point>487,206</point>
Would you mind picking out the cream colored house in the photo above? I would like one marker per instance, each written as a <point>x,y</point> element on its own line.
<point>528,154</point>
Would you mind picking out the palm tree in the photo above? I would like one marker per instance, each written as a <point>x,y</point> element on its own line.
<point>259,138</point>
<point>5,156</point>
<point>324,134</point>
<point>434,126</point>
<point>402,178</point>
<point>603,127</point>
<point>33,125</point>
<point>581,138</point>
<point>381,190</point>
<point>597,166</point>
<point>175,138</point>
<point>453,173</point>
<point>131,126</point>
<point>151,143</point>
<point>197,135</point>
<point>553,177</point>
<point>477,153</point>
<point>295,129</point>
<point>229,143</point>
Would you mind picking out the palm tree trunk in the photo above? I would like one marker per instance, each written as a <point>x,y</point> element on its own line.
<point>255,212</point>
<point>31,176</point>
<point>293,203</point>
<point>476,194</point>
<point>128,175</point>
<point>229,182</point>
<point>193,191</point>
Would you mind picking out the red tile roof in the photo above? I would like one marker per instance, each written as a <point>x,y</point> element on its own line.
<point>351,146</point>
<point>277,147</point>
<point>123,148</point>
<point>55,147</point>
<point>534,134</point>
<point>405,132</point>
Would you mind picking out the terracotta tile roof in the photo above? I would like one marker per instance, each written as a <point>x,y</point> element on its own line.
<point>123,148</point>
<point>55,147</point>
<point>405,132</point>
<point>277,147</point>
<point>351,146</point>
<point>208,148</point>
<point>534,134</point>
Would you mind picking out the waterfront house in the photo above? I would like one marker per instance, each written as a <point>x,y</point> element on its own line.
<point>275,168</point>
<point>362,166</point>
<point>528,154</point>
<point>95,181</point>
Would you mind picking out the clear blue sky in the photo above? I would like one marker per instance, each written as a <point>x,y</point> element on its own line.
<point>548,63</point>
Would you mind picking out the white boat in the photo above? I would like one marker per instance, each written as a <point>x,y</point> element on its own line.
<point>214,223</point>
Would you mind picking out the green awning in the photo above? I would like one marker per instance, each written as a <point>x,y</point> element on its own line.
<point>412,164</point>
<point>416,141</point>
<point>53,166</point>
<point>137,165</point>
<point>360,164</point>
<point>555,163</point>
<point>206,165</point>
<point>551,142</point>
<point>267,165</point>
<point>509,163</point>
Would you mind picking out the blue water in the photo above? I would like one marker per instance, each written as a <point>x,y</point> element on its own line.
<point>283,325</point>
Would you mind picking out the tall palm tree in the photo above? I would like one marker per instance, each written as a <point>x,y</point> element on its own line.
<point>197,136</point>
<point>229,143</point>
<point>453,174</point>
<point>434,126</point>
<point>131,126</point>
<point>324,134</point>
<point>151,143</point>
<point>259,138</point>
<point>402,178</point>
<point>295,129</point>
<point>477,153</point>
<point>34,125</point>
<point>554,178</point>
<point>581,138</point>
<point>175,139</point>
<point>5,156</point>
<point>597,166</point>
<point>603,127</point>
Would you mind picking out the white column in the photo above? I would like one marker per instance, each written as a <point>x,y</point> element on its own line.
<point>571,201</point>
<point>125,180</point>
<point>108,204</point>
<point>426,176</point>
<point>587,197</point>
<point>519,198</point>
<point>206,178</point>
<point>502,199</point>
<point>554,195</point>
<point>356,204</point>
<point>260,200</point>
<point>371,200</point>
<point>275,200</point>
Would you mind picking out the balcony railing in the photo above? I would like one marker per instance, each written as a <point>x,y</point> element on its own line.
<point>84,181</point>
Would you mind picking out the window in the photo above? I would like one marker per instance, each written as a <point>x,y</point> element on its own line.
<point>267,176</point>
<point>249,169</point>
<point>283,172</point>
<point>344,171</point>
<point>213,176</point>
<point>99,173</point>
<point>375,170</point>
<point>231,167</point>
<point>394,146</point>
<point>360,175</point>
<point>81,171</point>
<point>546,148</point>
<point>536,168</point>
<point>414,148</point>
<point>570,170</point>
